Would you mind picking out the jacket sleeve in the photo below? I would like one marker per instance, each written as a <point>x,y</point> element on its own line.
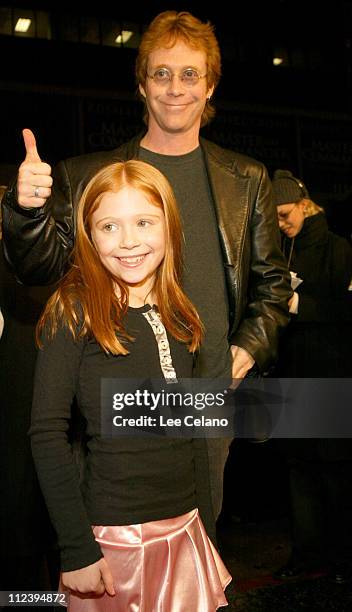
<point>336,307</point>
<point>37,242</point>
<point>265,311</point>
<point>56,378</point>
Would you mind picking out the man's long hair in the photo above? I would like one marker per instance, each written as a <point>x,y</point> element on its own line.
<point>86,301</point>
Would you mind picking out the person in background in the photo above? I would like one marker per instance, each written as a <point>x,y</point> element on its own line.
<point>235,273</point>
<point>316,344</point>
<point>128,531</point>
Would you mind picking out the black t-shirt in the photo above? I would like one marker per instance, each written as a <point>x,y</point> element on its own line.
<point>203,277</point>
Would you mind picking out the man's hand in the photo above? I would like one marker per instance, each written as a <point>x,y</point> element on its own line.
<point>293,303</point>
<point>95,578</point>
<point>242,362</point>
<point>34,176</point>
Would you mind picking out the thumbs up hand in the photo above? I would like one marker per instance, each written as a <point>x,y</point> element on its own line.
<point>34,176</point>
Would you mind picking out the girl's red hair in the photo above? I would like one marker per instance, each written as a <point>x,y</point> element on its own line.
<point>86,300</point>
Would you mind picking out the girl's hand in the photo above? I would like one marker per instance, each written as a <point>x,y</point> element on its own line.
<point>95,578</point>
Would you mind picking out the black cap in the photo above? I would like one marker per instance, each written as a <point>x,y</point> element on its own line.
<point>287,188</point>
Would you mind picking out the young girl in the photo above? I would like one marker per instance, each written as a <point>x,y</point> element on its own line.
<point>130,535</point>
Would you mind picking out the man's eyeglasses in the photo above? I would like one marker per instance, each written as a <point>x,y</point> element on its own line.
<point>189,76</point>
<point>285,216</point>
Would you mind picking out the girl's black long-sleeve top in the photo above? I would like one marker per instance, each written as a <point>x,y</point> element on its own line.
<point>126,480</point>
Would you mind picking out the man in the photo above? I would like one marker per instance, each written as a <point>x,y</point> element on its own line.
<point>234,270</point>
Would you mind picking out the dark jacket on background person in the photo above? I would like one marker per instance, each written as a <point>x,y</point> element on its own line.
<point>317,342</point>
<point>38,242</point>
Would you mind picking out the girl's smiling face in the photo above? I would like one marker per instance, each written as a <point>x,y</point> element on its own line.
<point>128,232</point>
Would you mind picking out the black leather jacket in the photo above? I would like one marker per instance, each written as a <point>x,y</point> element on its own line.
<point>38,242</point>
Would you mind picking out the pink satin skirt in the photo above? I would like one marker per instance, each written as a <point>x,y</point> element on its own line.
<point>160,566</point>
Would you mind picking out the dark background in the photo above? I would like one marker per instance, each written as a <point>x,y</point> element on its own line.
<point>79,97</point>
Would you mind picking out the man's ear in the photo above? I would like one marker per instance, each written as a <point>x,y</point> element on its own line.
<point>142,90</point>
<point>210,92</point>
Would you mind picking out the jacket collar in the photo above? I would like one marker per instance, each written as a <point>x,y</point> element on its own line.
<point>230,197</point>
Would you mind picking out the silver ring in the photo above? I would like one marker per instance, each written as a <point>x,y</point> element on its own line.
<point>36,192</point>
